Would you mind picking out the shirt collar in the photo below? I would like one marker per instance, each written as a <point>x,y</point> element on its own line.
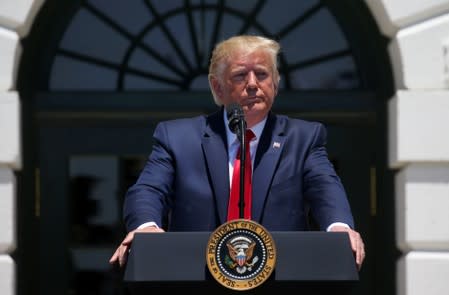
<point>256,129</point>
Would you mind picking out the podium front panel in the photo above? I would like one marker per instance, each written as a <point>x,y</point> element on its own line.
<point>181,257</point>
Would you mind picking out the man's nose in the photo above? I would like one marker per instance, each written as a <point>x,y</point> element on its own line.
<point>252,80</point>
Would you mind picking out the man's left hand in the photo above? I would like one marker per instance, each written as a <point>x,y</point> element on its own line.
<point>357,245</point>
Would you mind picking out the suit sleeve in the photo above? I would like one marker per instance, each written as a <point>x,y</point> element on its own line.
<point>323,189</point>
<point>148,200</point>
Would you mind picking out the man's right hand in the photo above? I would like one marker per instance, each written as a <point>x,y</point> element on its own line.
<point>121,254</point>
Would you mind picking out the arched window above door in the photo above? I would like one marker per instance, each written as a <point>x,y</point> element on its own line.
<point>113,45</point>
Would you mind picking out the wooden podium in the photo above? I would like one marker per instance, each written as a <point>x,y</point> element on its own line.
<point>307,263</point>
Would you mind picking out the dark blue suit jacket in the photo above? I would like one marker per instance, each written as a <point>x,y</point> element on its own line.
<point>185,183</point>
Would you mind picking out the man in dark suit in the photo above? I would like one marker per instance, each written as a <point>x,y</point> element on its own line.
<point>185,185</point>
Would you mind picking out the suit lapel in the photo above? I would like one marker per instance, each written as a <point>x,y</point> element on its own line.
<point>215,151</point>
<point>267,156</point>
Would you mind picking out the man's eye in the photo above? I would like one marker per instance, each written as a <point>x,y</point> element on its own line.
<point>239,77</point>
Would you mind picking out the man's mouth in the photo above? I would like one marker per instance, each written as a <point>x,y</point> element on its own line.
<point>250,101</point>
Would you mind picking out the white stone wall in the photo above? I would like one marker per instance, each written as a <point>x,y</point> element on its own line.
<point>393,15</point>
<point>419,121</point>
<point>418,139</point>
<point>7,268</point>
<point>9,159</point>
<point>7,231</point>
<point>422,203</point>
<point>421,52</point>
<point>18,15</point>
<point>9,129</point>
<point>15,20</point>
<point>423,273</point>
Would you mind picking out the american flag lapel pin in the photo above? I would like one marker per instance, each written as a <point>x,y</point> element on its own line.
<point>276,145</point>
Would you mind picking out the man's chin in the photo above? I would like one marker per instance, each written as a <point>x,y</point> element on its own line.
<point>253,106</point>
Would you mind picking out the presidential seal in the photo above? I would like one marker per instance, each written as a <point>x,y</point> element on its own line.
<point>241,254</point>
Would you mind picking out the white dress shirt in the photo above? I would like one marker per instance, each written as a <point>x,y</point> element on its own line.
<point>234,144</point>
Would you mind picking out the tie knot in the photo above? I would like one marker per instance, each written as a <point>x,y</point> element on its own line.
<point>249,135</point>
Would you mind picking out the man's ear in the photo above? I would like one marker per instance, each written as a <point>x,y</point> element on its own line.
<point>216,87</point>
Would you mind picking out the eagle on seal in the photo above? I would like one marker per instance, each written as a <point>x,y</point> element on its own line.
<point>241,253</point>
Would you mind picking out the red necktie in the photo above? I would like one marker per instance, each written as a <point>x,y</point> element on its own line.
<point>234,198</point>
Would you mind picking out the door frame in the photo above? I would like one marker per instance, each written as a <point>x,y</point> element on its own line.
<point>55,110</point>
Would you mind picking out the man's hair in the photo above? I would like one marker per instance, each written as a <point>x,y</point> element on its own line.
<point>248,44</point>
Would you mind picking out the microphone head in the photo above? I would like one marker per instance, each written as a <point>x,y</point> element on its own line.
<point>233,108</point>
<point>235,114</point>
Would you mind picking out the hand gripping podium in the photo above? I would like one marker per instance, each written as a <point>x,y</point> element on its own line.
<point>306,263</point>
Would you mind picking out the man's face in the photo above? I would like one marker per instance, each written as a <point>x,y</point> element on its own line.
<point>248,81</point>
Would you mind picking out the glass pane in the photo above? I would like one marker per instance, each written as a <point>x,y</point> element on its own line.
<point>317,36</point>
<point>178,26</point>
<point>71,74</point>
<point>95,208</point>
<point>274,25</point>
<point>97,187</point>
<point>157,40</point>
<point>89,35</point>
<point>143,61</point>
<point>334,74</point>
<point>141,15</point>
<point>163,7</point>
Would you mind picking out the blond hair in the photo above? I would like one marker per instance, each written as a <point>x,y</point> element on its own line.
<point>242,44</point>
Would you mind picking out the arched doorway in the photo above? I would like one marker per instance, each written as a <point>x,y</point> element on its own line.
<point>97,75</point>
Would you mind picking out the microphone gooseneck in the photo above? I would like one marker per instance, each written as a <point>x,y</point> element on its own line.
<point>237,124</point>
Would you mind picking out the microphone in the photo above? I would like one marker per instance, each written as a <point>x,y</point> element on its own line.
<point>236,118</point>
<point>237,124</point>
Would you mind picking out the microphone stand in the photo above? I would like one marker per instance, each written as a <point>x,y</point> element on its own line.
<point>242,137</point>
